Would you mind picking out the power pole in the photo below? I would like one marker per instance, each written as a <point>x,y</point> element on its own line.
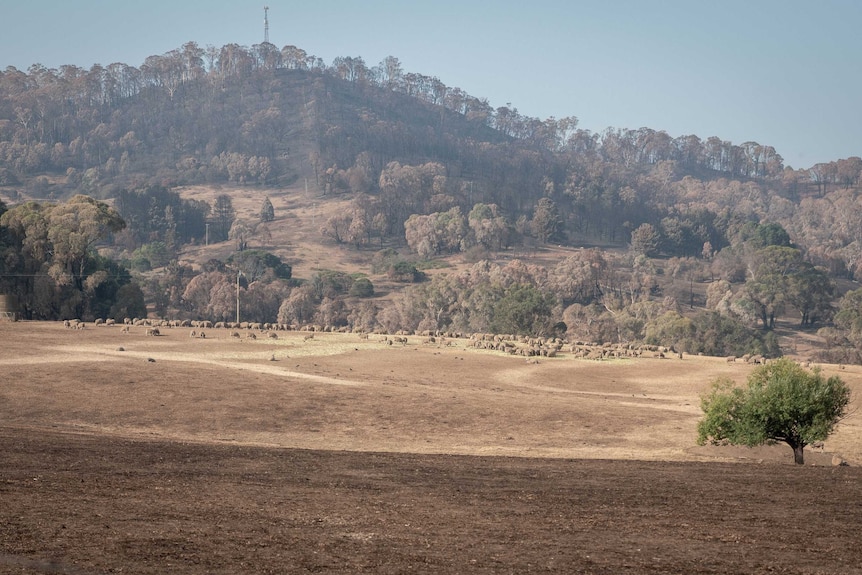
<point>238,273</point>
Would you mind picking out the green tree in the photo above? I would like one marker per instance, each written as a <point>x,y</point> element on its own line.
<point>51,261</point>
<point>849,316</point>
<point>782,403</point>
<point>223,216</point>
<point>645,240</point>
<point>769,287</point>
<point>811,291</point>
<point>771,234</point>
<point>267,212</point>
<point>362,287</point>
<point>488,225</point>
<point>523,310</point>
<point>255,264</point>
<point>546,220</point>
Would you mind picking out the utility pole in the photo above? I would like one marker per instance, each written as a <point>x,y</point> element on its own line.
<point>207,236</point>
<point>238,273</point>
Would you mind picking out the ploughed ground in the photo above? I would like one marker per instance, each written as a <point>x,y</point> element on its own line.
<point>342,455</point>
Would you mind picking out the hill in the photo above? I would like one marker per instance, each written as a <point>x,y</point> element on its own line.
<point>387,173</point>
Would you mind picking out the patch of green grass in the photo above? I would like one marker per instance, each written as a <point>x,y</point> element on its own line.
<point>432,265</point>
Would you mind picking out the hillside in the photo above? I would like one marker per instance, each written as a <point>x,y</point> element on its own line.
<point>379,172</point>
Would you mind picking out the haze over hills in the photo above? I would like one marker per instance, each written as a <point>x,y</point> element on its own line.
<point>420,171</point>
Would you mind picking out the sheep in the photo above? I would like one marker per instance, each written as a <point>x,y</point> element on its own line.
<point>272,335</point>
<point>308,337</point>
<point>154,331</point>
<point>193,334</point>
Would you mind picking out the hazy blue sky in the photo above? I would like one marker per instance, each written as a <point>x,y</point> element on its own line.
<point>787,73</point>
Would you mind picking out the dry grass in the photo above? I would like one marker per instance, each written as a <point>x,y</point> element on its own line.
<point>339,392</point>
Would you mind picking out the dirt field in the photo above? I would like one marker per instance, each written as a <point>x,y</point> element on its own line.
<point>341,455</point>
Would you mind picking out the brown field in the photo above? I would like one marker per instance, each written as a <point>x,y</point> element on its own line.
<point>341,455</point>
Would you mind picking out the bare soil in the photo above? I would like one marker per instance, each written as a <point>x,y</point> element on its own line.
<point>342,455</point>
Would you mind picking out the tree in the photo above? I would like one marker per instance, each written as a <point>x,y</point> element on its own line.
<point>488,225</point>
<point>849,316</point>
<point>223,216</point>
<point>240,233</point>
<point>645,240</point>
<point>267,212</point>
<point>362,287</point>
<point>50,258</point>
<point>546,220</point>
<point>255,264</point>
<point>769,287</point>
<point>783,402</point>
<point>523,310</point>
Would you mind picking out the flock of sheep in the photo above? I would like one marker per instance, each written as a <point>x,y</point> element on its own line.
<point>529,347</point>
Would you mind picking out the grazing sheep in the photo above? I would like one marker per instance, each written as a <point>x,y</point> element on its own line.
<point>193,334</point>
<point>234,334</point>
<point>272,335</point>
<point>203,335</point>
<point>308,337</point>
<point>154,331</point>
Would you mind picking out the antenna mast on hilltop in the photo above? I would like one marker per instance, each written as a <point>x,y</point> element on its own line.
<point>266,24</point>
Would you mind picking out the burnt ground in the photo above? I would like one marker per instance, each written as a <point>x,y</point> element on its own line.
<point>122,453</point>
<point>83,504</point>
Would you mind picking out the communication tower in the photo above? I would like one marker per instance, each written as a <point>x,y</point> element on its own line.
<point>266,24</point>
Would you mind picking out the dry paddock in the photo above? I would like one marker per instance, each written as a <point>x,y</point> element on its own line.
<point>342,455</point>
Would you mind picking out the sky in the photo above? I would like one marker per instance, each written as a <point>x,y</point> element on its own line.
<point>785,73</point>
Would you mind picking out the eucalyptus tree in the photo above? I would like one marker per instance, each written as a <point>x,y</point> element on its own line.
<point>782,402</point>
